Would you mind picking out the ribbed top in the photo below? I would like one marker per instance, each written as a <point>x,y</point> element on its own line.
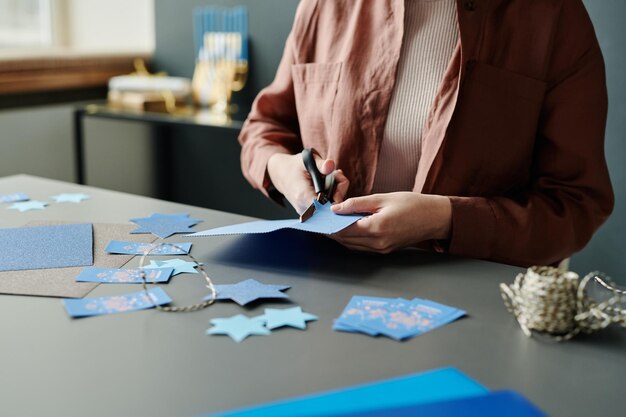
<point>430,36</point>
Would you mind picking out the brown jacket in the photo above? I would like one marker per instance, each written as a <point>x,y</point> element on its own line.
<point>515,135</point>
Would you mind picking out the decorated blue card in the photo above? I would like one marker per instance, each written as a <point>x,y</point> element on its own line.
<point>13,198</point>
<point>396,318</point>
<point>324,221</point>
<point>116,304</point>
<point>43,247</point>
<point>123,276</point>
<point>153,249</point>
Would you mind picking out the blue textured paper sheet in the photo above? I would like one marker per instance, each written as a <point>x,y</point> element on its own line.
<point>13,198</point>
<point>423,388</point>
<point>116,304</point>
<point>496,404</point>
<point>43,247</point>
<point>135,248</point>
<point>123,276</point>
<point>323,221</point>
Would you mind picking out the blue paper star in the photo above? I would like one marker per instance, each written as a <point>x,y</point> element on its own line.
<point>249,290</point>
<point>293,317</point>
<point>70,197</point>
<point>29,205</point>
<point>179,266</point>
<point>165,225</point>
<point>238,327</point>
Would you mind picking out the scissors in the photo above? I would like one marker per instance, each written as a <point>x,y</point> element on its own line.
<point>324,185</point>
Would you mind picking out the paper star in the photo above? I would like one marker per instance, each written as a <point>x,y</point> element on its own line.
<point>249,290</point>
<point>238,327</point>
<point>13,198</point>
<point>179,266</point>
<point>165,225</point>
<point>29,205</point>
<point>70,197</point>
<point>293,317</point>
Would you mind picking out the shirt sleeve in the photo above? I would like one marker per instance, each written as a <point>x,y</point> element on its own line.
<point>570,194</point>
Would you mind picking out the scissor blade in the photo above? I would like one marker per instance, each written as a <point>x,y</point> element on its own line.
<point>308,213</point>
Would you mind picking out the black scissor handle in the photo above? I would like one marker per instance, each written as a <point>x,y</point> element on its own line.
<point>311,167</point>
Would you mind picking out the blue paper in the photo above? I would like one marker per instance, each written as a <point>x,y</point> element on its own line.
<point>116,304</point>
<point>238,327</point>
<point>123,276</point>
<point>324,221</point>
<point>13,198</point>
<point>137,248</point>
<point>496,404</point>
<point>247,291</point>
<point>43,247</point>
<point>395,318</point>
<point>423,388</point>
<point>165,225</point>
<point>180,266</point>
<point>28,205</point>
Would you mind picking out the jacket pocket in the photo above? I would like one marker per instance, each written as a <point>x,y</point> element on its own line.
<point>493,131</point>
<point>315,89</point>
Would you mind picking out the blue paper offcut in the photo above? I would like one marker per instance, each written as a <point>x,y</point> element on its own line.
<point>137,248</point>
<point>324,221</point>
<point>123,276</point>
<point>422,388</point>
<point>116,304</point>
<point>43,247</point>
<point>495,404</point>
<point>13,198</point>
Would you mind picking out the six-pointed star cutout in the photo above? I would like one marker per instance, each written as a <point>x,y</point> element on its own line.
<point>249,290</point>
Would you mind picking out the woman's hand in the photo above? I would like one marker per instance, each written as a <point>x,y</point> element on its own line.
<point>397,220</point>
<point>290,177</point>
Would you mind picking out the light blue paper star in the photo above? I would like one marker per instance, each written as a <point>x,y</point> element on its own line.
<point>238,327</point>
<point>293,317</point>
<point>165,225</point>
<point>29,205</point>
<point>249,290</point>
<point>180,266</point>
<point>70,197</point>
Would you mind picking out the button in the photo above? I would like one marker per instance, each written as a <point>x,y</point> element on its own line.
<point>470,5</point>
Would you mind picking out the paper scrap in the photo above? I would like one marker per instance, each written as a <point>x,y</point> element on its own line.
<point>13,198</point>
<point>247,291</point>
<point>124,276</point>
<point>134,248</point>
<point>116,304</point>
<point>324,221</point>
<point>25,248</point>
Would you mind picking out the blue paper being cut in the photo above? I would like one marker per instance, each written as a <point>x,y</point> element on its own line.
<point>423,388</point>
<point>13,198</point>
<point>116,304</point>
<point>44,247</point>
<point>123,276</point>
<point>324,221</point>
<point>135,248</point>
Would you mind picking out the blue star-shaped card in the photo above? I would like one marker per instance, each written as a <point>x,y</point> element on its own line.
<point>249,290</point>
<point>291,317</point>
<point>238,327</point>
<point>165,225</point>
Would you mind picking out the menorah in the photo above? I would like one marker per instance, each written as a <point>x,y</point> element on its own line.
<point>222,57</point>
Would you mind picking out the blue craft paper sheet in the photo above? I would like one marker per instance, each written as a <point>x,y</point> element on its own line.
<point>116,304</point>
<point>135,248</point>
<point>123,276</point>
<point>427,387</point>
<point>495,404</point>
<point>43,247</point>
<point>323,221</point>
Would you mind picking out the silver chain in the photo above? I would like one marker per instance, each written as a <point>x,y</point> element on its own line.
<point>174,309</point>
<point>555,303</point>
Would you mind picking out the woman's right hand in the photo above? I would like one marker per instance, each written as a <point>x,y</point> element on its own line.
<point>291,178</point>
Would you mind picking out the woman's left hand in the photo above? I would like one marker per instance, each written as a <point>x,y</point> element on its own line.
<point>397,220</point>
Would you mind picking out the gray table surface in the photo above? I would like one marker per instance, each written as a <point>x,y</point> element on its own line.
<point>151,363</point>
